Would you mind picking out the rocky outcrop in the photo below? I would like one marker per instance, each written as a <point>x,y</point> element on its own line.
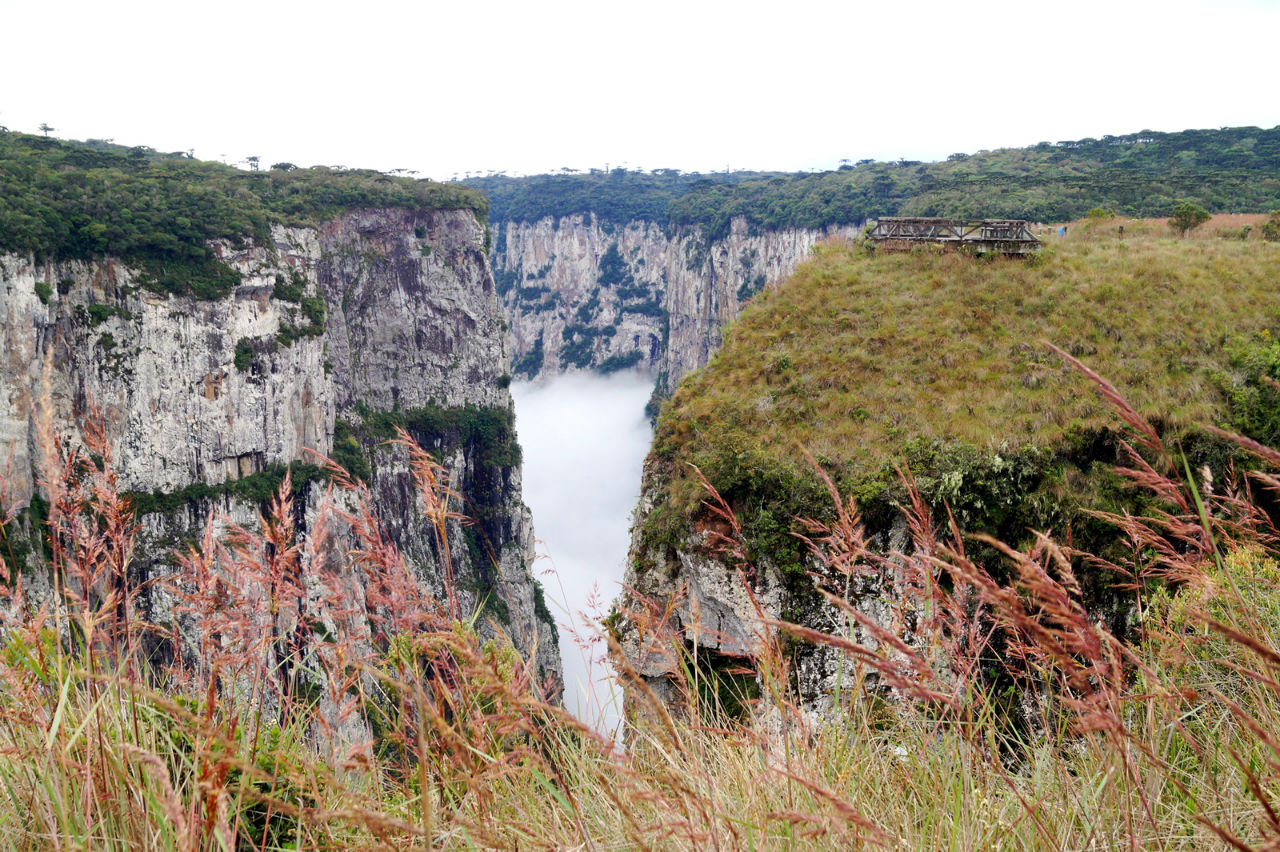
<point>686,600</point>
<point>383,316</point>
<point>584,294</point>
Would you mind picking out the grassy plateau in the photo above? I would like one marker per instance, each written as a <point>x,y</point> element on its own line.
<point>868,360</point>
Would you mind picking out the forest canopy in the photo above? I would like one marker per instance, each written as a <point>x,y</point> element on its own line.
<point>63,200</point>
<point>1140,174</point>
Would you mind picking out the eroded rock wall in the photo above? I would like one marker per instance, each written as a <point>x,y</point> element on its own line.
<point>581,294</point>
<point>687,598</point>
<point>369,317</point>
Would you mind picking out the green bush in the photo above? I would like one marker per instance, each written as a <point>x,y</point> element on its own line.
<point>579,344</point>
<point>1187,216</point>
<point>98,314</point>
<point>1271,228</point>
<point>617,363</point>
<point>313,308</point>
<point>287,291</point>
<point>505,279</point>
<point>534,293</point>
<point>530,364</point>
<point>542,612</point>
<point>348,453</point>
<point>201,277</point>
<point>633,292</point>
<point>1253,402</point>
<point>750,288</point>
<point>613,269</point>
<point>256,488</point>
<point>587,311</point>
<point>648,308</point>
<point>244,355</point>
<point>290,334</point>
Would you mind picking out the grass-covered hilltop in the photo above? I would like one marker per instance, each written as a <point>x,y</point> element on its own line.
<point>938,362</point>
<point>1233,169</point>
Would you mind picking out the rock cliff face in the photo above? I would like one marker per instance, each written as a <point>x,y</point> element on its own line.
<point>689,591</point>
<point>375,317</point>
<point>584,294</point>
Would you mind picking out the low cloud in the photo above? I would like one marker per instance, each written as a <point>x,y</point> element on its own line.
<point>584,438</point>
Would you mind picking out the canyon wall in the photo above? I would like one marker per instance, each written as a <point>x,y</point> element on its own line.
<point>333,336</point>
<point>583,294</point>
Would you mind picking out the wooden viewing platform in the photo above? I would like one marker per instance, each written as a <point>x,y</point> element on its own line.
<point>1007,236</point>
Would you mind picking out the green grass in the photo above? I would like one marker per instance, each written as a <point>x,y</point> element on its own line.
<point>938,360</point>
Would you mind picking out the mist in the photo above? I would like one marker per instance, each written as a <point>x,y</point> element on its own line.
<point>584,439</point>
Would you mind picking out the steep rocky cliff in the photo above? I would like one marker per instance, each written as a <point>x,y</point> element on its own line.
<point>581,293</point>
<point>371,319</point>
<point>873,363</point>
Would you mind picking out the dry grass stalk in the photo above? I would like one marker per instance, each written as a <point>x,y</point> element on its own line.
<point>1169,737</point>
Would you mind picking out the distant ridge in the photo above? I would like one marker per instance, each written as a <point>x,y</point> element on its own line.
<point>1232,169</point>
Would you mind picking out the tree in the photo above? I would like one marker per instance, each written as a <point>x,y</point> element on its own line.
<point>1271,229</point>
<point>1187,216</point>
<point>46,129</point>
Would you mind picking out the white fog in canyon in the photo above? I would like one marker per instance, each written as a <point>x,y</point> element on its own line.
<point>584,440</point>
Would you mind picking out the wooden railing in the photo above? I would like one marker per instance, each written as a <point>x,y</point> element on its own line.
<point>1012,236</point>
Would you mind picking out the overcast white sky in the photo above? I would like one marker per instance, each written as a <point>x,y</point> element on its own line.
<point>525,87</point>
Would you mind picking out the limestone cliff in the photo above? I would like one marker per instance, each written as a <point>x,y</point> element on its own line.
<point>581,293</point>
<point>377,315</point>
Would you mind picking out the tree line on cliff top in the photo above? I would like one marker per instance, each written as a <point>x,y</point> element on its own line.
<point>1140,174</point>
<point>63,200</point>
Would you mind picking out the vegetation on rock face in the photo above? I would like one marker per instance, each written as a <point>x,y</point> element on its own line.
<point>938,361</point>
<point>256,488</point>
<point>530,364</point>
<point>617,363</point>
<point>1138,174</point>
<point>486,434</point>
<point>613,269</point>
<point>63,200</point>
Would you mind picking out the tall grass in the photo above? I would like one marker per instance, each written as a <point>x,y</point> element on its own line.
<point>860,355</point>
<point>318,700</point>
